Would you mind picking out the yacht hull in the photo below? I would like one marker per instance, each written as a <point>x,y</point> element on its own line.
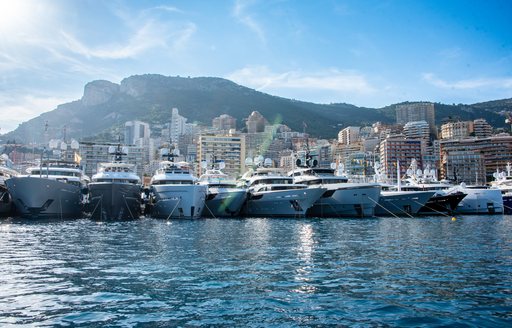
<point>481,201</point>
<point>346,200</point>
<point>507,203</point>
<point>402,202</point>
<point>224,202</point>
<point>36,197</point>
<point>282,203</point>
<point>442,204</point>
<point>6,205</point>
<point>177,201</point>
<point>114,201</point>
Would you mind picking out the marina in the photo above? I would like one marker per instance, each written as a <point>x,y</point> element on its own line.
<point>252,163</point>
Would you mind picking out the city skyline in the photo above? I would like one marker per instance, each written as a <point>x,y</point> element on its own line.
<point>367,54</point>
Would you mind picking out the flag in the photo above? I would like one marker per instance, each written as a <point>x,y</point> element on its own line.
<point>78,158</point>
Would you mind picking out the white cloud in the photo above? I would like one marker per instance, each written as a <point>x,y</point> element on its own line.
<point>152,34</point>
<point>261,78</point>
<point>143,39</point>
<point>468,84</point>
<point>241,14</point>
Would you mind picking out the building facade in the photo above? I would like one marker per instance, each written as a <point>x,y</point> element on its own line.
<point>224,122</point>
<point>495,151</point>
<point>255,123</point>
<point>400,150</point>
<point>227,148</point>
<point>417,130</point>
<point>456,130</point>
<point>349,135</point>
<point>94,153</point>
<point>136,133</point>
<point>482,129</point>
<point>413,112</point>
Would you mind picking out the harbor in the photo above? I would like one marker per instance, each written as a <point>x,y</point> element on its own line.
<point>250,163</point>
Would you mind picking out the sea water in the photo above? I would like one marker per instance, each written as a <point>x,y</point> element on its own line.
<point>258,272</point>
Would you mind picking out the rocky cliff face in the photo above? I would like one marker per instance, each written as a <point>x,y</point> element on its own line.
<point>99,92</point>
<point>134,86</point>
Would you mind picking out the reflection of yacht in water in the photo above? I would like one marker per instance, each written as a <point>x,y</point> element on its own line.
<point>115,191</point>
<point>54,189</point>
<point>174,192</point>
<point>6,172</point>
<point>224,198</point>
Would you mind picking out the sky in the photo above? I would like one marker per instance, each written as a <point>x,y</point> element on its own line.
<point>367,53</point>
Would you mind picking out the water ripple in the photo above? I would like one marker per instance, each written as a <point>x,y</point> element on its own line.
<point>257,272</point>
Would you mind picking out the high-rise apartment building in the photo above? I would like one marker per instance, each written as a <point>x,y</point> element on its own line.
<point>402,150</point>
<point>229,148</point>
<point>224,122</point>
<point>349,135</point>
<point>413,112</point>
<point>256,123</point>
<point>136,133</point>
<point>417,130</point>
<point>482,129</point>
<point>456,130</point>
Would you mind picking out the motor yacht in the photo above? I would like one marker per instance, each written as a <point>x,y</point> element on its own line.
<point>342,198</point>
<point>53,189</point>
<point>115,191</point>
<point>224,198</point>
<point>503,182</point>
<point>174,192</point>
<point>272,194</point>
<point>6,172</point>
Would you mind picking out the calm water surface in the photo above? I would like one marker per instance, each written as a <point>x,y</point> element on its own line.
<point>257,272</point>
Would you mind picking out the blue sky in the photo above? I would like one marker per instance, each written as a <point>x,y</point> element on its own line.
<point>367,53</point>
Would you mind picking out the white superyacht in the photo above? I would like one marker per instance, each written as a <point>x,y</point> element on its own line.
<point>174,192</point>
<point>394,201</point>
<point>224,197</point>
<point>342,198</point>
<point>477,199</point>
<point>271,194</point>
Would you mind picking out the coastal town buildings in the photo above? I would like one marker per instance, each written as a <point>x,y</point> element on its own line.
<point>462,159</point>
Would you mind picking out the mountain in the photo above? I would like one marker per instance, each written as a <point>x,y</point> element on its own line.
<point>106,106</point>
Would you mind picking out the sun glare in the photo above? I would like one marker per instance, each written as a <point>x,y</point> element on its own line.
<point>15,15</point>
